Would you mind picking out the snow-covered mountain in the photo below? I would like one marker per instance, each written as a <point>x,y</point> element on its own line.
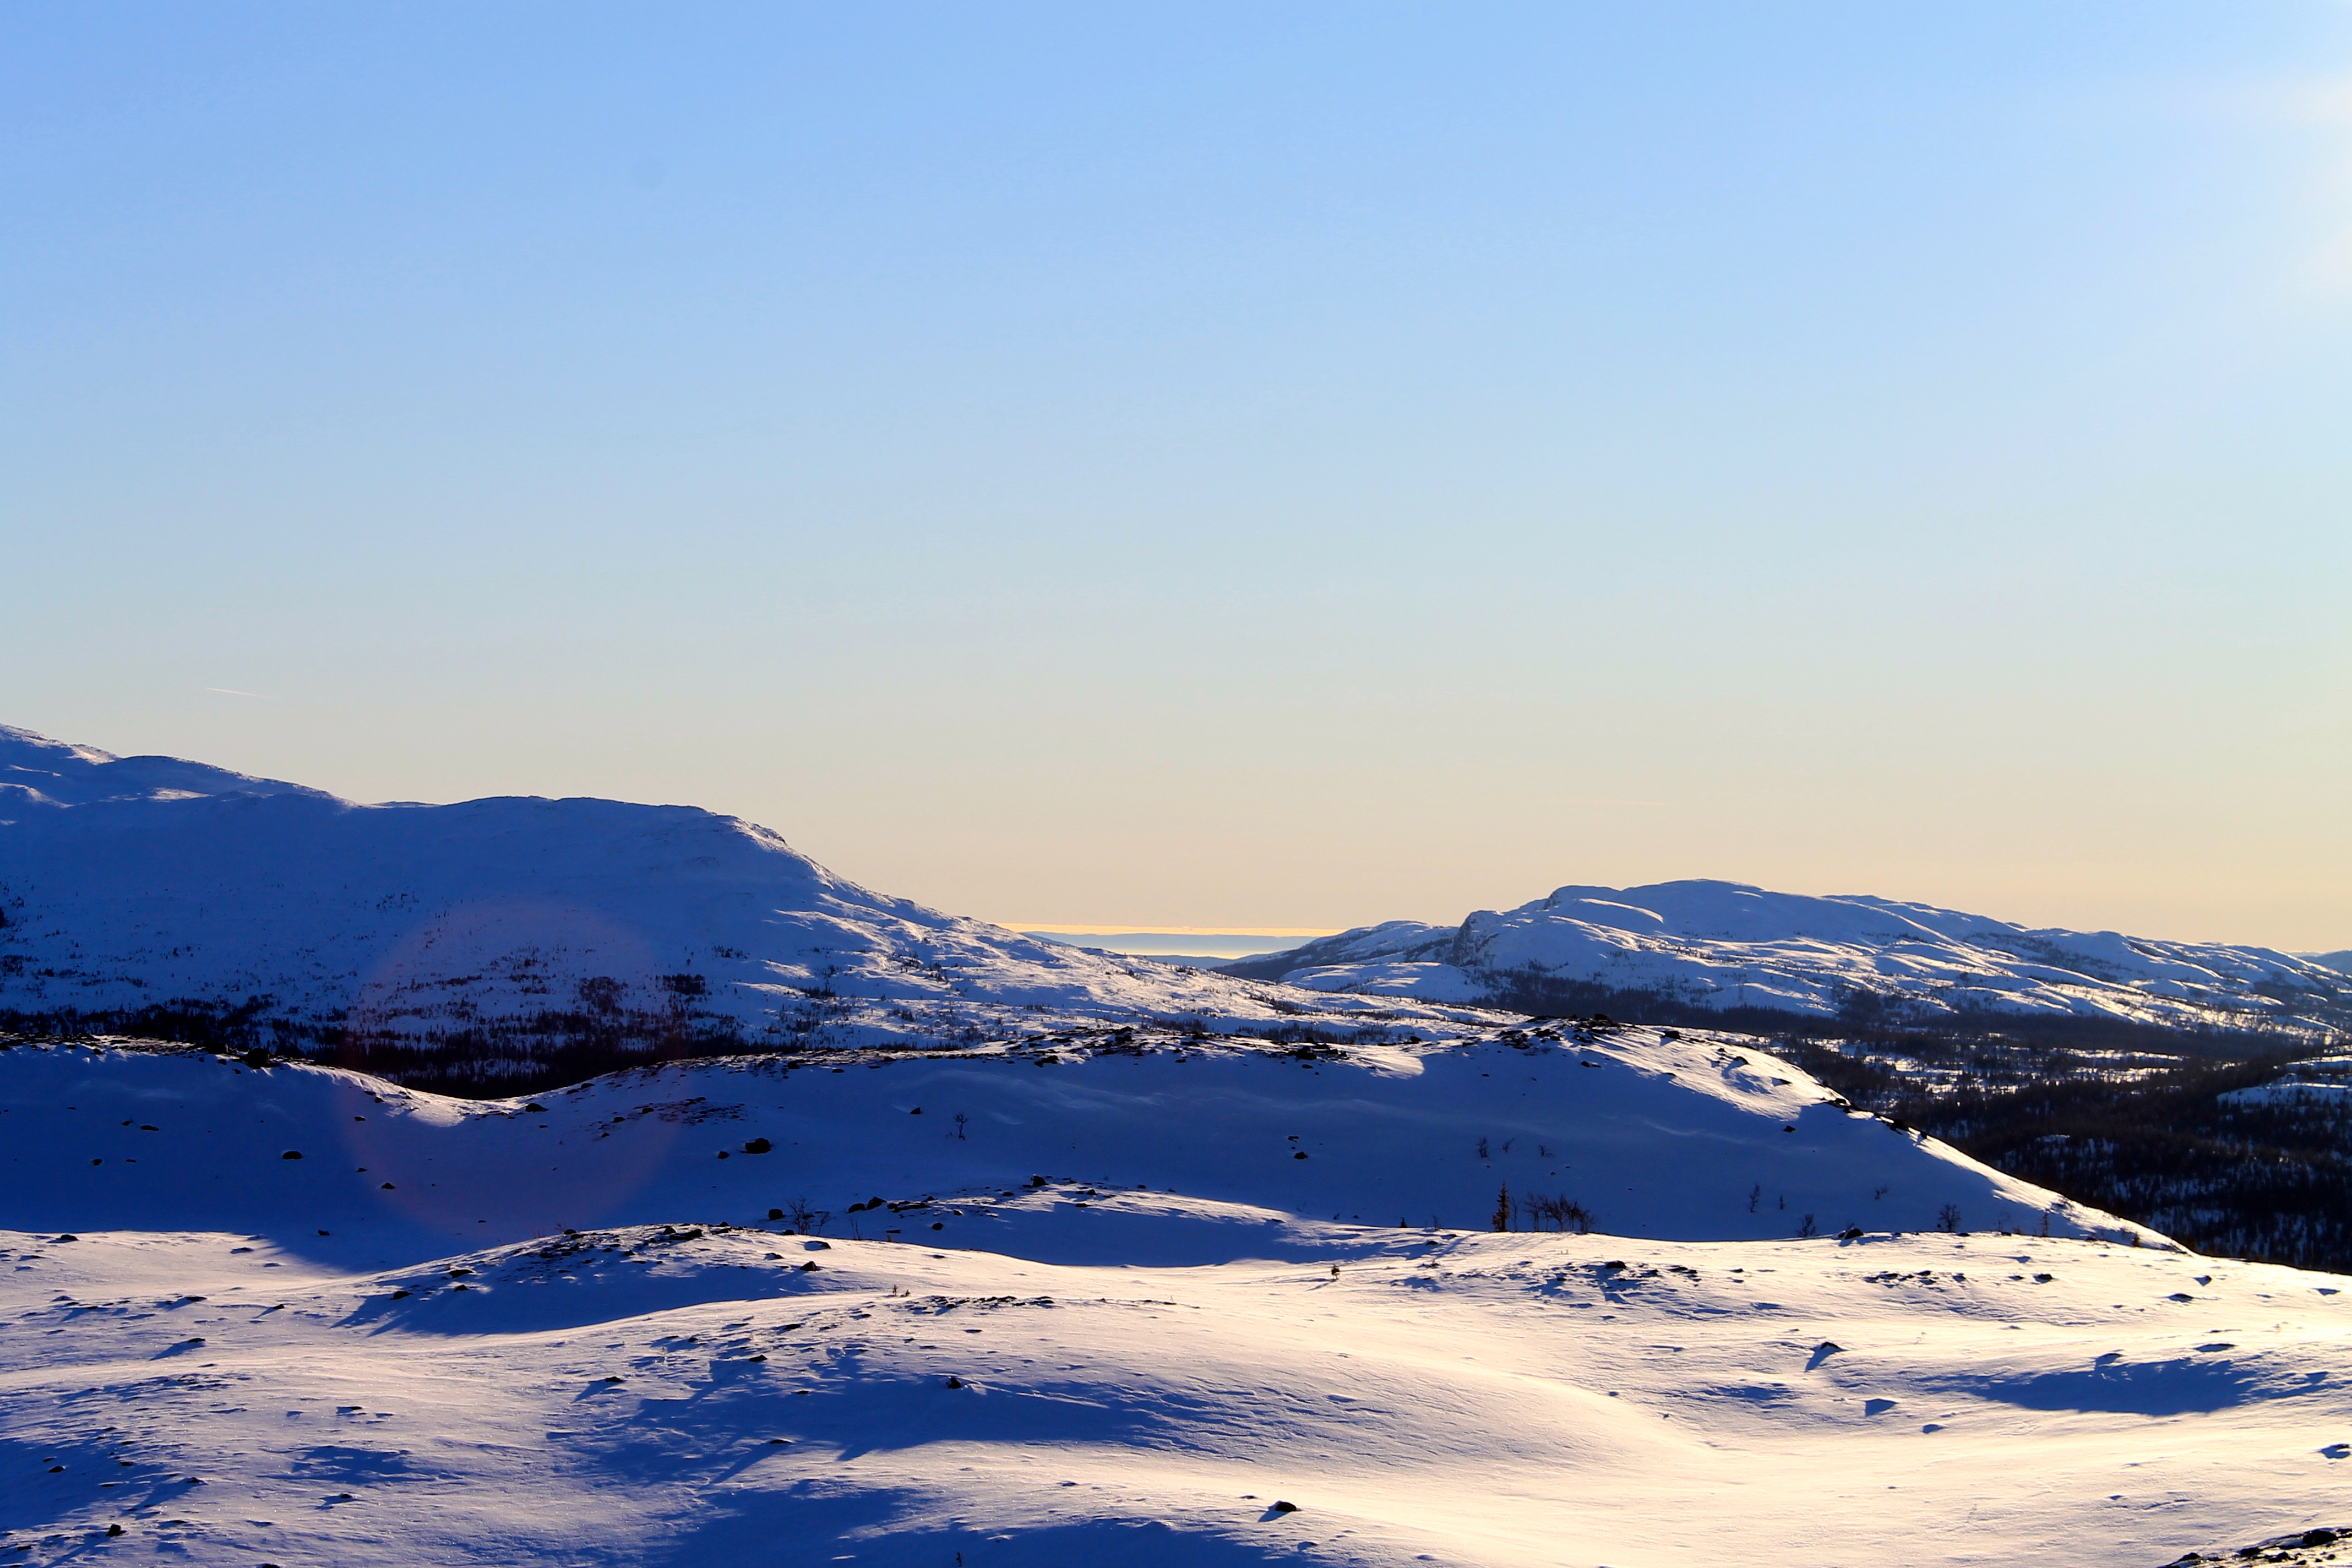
<point>1092,1312</point>
<point>1130,1263</point>
<point>505,929</point>
<point>1724,945</point>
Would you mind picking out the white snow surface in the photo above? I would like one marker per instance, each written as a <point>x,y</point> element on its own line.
<point>1726,944</point>
<point>2288,1092</point>
<point>1690,1137</point>
<point>233,1357</point>
<point>126,882</point>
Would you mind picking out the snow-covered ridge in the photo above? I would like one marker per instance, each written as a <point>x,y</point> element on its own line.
<point>1194,1145</point>
<point>510,926</point>
<point>37,771</point>
<point>1723,945</point>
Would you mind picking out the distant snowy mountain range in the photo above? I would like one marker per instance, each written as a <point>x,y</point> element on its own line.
<point>154,895</point>
<point>139,891</point>
<point>1722,947</point>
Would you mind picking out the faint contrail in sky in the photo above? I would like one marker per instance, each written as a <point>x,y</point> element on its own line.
<point>231,691</point>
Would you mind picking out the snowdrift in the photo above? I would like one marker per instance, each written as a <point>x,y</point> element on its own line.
<point>1509,1401</point>
<point>508,931</point>
<point>1724,945</point>
<point>1077,1374</point>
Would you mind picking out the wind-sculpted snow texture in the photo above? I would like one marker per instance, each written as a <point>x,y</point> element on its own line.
<point>506,924</point>
<point>1724,945</point>
<point>567,1333</point>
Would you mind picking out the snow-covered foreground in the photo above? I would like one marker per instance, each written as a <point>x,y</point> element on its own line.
<point>1725,944</point>
<point>649,1396</point>
<point>1102,1318</point>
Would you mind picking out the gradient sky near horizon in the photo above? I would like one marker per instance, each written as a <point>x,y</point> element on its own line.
<point>1220,466</point>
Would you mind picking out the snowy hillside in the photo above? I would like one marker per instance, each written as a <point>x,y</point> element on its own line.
<point>1722,945</point>
<point>519,928</point>
<point>564,1330</point>
<point>1648,1134</point>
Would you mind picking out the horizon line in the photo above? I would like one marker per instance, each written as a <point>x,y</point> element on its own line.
<point>1176,930</point>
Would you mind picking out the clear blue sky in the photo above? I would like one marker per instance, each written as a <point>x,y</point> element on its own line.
<point>1220,465</point>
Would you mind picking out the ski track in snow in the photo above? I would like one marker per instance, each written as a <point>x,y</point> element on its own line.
<point>1101,1369</point>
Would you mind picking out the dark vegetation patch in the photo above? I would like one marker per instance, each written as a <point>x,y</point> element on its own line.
<point>2123,1116</point>
<point>2157,1144</point>
<point>1989,1039</point>
<point>479,1061</point>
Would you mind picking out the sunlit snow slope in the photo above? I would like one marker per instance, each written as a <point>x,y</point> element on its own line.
<point>1724,945</point>
<point>518,923</point>
<point>1097,1371</point>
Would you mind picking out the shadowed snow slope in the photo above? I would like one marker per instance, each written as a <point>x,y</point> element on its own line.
<point>515,925</point>
<point>1722,944</point>
<point>191,1365</point>
<point>1150,1157</point>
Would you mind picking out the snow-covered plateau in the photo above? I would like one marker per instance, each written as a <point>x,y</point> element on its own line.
<point>506,929</point>
<point>1146,1307</point>
<point>1725,947</point>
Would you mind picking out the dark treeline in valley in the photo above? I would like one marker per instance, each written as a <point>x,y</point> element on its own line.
<point>2131,1118</point>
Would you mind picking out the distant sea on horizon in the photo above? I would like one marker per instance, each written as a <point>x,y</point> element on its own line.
<point>1215,946</point>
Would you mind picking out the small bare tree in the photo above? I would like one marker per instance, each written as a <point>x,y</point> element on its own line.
<point>1558,1210</point>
